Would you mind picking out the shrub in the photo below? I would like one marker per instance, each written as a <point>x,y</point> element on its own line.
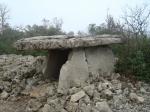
<point>134,58</point>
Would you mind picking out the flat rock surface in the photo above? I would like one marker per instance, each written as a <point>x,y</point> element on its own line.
<point>64,42</point>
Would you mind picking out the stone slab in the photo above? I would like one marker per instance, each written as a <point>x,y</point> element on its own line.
<point>82,62</point>
<point>65,42</point>
<point>74,72</point>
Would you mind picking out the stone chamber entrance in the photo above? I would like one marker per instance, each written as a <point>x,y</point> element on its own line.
<point>56,59</point>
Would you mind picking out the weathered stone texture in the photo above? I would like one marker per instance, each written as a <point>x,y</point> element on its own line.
<point>100,59</point>
<point>83,62</point>
<point>64,41</point>
<point>74,71</point>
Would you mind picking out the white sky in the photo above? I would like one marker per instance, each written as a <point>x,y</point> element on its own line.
<point>76,14</point>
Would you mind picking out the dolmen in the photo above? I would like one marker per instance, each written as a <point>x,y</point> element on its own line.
<point>71,59</point>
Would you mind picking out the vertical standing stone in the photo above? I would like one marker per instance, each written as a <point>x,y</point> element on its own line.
<point>75,71</point>
<point>100,59</point>
<point>82,62</point>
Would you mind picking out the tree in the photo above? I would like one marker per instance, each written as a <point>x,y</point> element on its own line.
<point>92,29</point>
<point>110,26</point>
<point>3,17</point>
<point>136,20</point>
<point>57,23</point>
<point>45,23</point>
<point>113,26</point>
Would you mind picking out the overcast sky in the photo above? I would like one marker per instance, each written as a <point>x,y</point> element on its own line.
<point>76,14</point>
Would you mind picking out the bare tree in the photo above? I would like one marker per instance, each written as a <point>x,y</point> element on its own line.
<point>3,17</point>
<point>113,26</point>
<point>46,23</point>
<point>136,20</point>
<point>57,23</point>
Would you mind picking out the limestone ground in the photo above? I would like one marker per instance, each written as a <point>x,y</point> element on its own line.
<point>23,89</point>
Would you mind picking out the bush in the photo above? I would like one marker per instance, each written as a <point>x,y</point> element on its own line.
<point>134,58</point>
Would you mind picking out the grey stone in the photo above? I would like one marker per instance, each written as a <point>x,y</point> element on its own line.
<point>72,107</point>
<point>100,87</point>
<point>89,90</point>
<point>64,41</point>
<point>86,108</point>
<point>100,60</point>
<point>81,63</point>
<point>74,72</point>
<point>107,94</point>
<point>87,99</point>
<point>115,76</point>
<point>96,95</point>
<point>103,107</point>
<point>63,110</point>
<point>73,90</point>
<point>4,95</point>
<point>106,85</point>
<point>33,105</point>
<point>46,108</point>
<point>136,98</point>
<point>142,90</point>
<point>77,96</point>
<point>50,90</point>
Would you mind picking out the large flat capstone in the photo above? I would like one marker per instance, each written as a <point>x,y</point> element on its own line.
<point>71,59</point>
<point>65,42</point>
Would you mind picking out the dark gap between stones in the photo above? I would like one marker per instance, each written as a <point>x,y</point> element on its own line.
<point>56,59</point>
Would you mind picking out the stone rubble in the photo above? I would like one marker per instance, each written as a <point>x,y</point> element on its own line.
<point>24,83</point>
<point>77,96</point>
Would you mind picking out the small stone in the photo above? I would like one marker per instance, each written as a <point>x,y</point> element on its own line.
<point>50,91</point>
<point>118,91</point>
<point>107,94</point>
<point>106,85</point>
<point>62,110</point>
<point>46,108</point>
<point>52,101</point>
<point>33,105</point>
<point>126,91</point>
<point>103,107</point>
<point>133,96</point>
<point>100,87</point>
<point>87,99</point>
<point>86,108</point>
<point>72,107</point>
<point>77,96</point>
<point>89,90</point>
<point>115,76</point>
<point>140,99</point>
<point>136,98</point>
<point>95,109</point>
<point>96,96</point>
<point>142,90</point>
<point>73,90</point>
<point>4,95</point>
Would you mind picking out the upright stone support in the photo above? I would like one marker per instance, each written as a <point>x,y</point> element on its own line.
<point>82,62</point>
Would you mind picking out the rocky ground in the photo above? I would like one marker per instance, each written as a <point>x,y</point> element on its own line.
<point>23,89</point>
